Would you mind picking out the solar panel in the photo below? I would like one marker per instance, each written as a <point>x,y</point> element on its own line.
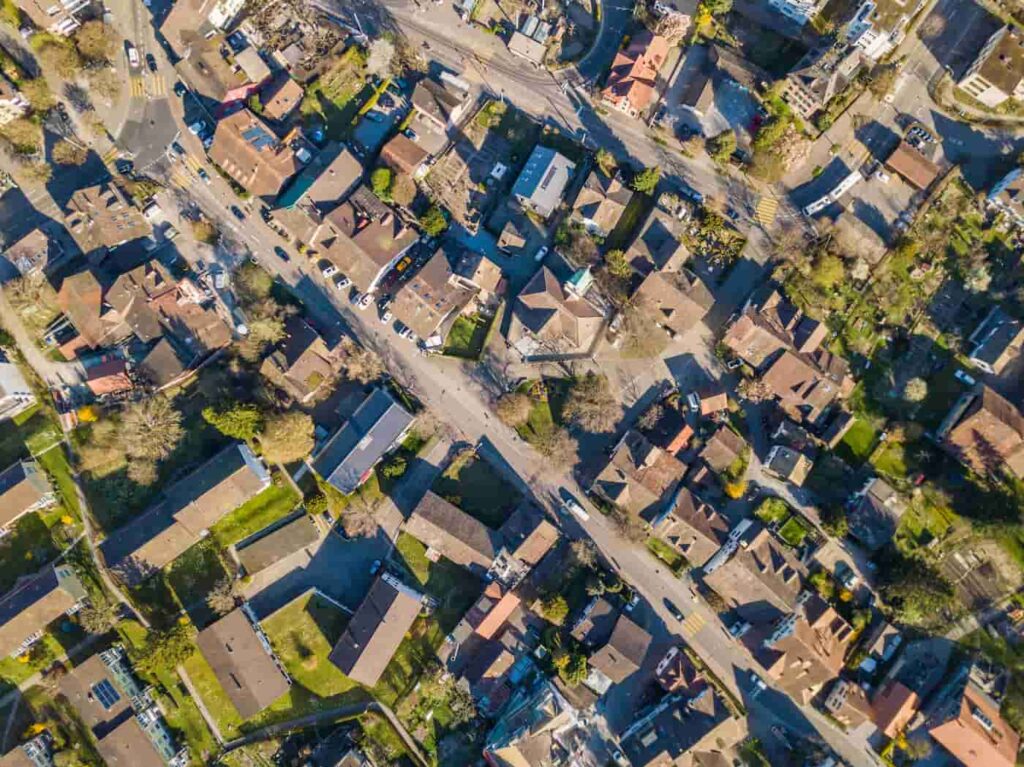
<point>105,693</point>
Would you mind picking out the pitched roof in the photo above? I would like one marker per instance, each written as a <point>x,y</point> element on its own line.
<point>596,623</point>
<point>762,573</point>
<point>302,362</point>
<point>788,464</point>
<point>676,673</point>
<point>521,45</point>
<point>602,200</point>
<point>543,179</point>
<point>108,377</point>
<point>436,101</point>
<point>991,431</point>
<point>248,151</point>
<point>280,97</point>
<point>688,732</point>
<point>163,364</point>
<point>546,311</point>
<point>376,629</point>
<point>675,300</point>
<point>402,154</point>
<point>800,385</point>
<point>101,216</point>
<point>722,448</point>
<point>974,732</point>
<point>528,535</point>
<point>22,488</point>
<point>431,297</point>
<point>874,518</point>
<point>360,246</point>
<point>34,602</point>
<point>639,476</point>
<point>692,528</point>
<point>917,169</point>
<point>624,653</point>
<point>997,340</point>
<point>275,544</point>
<point>634,72</point>
<point>1003,66</point>
<point>242,662</point>
<point>658,245</point>
<point>479,270</point>
<point>893,707</point>
<point>453,533</point>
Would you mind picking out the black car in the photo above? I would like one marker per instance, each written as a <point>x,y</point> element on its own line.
<point>151,62</point>
<point>265,215</point>
<point>124,167</point>
<point>177,149</point>
<point>237,213</point>
<point>676,612</point>
<point>281,253</point>
<point>179,88</point>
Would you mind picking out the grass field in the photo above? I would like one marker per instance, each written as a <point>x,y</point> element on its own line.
<point>193,576</point>
<point>452,586</point>
<point>858,443</point>
<point>277,501</point>
<point>26,548</point>
<point>667,554</point>
<point>467,336</point>
<point>481,491</point>
<point>794,531</point>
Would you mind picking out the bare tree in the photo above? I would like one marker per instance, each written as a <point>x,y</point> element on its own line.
<point>673,27</point>
<point>221,598</point>
<point>151,429</point>
<point>754,390</point>
<point>359,363</point>
<point>513,408</point>
<point>359,520</point>
<point>584,552</point>
<point>287,437</point>
<point>559,448</point>
<point>591,405</point>
<point>915,390</point>
<point>382,51</point>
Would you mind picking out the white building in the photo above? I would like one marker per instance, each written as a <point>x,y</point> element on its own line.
<point>225,12</point>
<point>800,11</point>
<point>13,103</point>
<point>1007,196</point>
<point>16,395</point>
<point>997,73</point>
<point>878,26</point>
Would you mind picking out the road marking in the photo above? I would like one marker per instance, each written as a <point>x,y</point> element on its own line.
<point>138,88</point>
<point>111,155</point>
<point>693,624</point>
<point>181,180</point>
<point>192,162</point>
<point>766,209</point>
<point>157,87</point>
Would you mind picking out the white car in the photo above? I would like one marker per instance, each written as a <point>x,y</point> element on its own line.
<point>328,271</point>
<point>386,316</point>
<point>693,400</point>
<point>738,629</point>
<point>963,377</point>
<point>405,332</point>
<point>362,301</point>
<point>541,254</point>
<point>576,510</point>
<point>197,128</point>
<point>757,685</point>
<point>341,282</point>
<point>133,56</point>
<point>633,602</point>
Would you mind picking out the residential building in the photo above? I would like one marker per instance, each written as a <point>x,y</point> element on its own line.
<point>723,449</point>
<point>681,730</point>
<point>164,366</point>
<point>803,649</point>
<point>757,575</point>
<point>527,535</point>
<point>878,26</point>
<point>13,103</point>
<point>525,47</point>
<point>686,9</point>
<point>916,169</point>
<point>34,603</point>
<point>185,514</point>
<point>997,74</point>
<point>621,656</point>
<point>538,726</point>
<point>403,155</point>
<point>875,514</point>
<point>893,706</point>
<point>551,317</point>
<point>542,181</point>
<point>281,97</point>
<point>211,70</point>
<point>363,244</point>
<point>190,21</point>
<point>376,629</point>
<point>788,465</point>
<point>331,176</point>
<point>376,428</point>
<point>632,83</point>
<point>482,275</point>
<point>60,18</point>
<point>997,341</point>
<point>818,77</point>
<point>639,478</point>
<point>16,396</point>
<point>803,391</point>
<point>276,542</point>
<point>37,251</point>
<point>799,11</point>
<point>432,300</point>
<point>442,104</point>
<point>109,377</point>
<point>676,673</point>
<point>101,218</point>
<point>240,656</point>
<point>448,531</point>
<point>247,150</point>
<point>769,324</point>
<point>120,713</point>
<point>24,488</point>
<point>675,300</point>
<point>252,65</point>
<point>1007,197</point>
<point>969,727</point>
<point>881,645</point>
<point>848,704</point>
<point>986,431</point>
<point>301,364</point>
<point>595,624</point>
<point>659,245</point>
<point>691,527</point>
<point>601,202</point>
<point>35,752</point>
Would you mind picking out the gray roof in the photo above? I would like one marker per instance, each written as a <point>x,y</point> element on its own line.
<point>544,179</point>
<point>454,533</point>
<point>273,544</point>
<point>349,456</point>
<point>34,602</point>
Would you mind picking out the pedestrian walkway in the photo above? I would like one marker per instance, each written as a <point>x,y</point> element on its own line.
<point>693,624</point>
<point>767,206</point>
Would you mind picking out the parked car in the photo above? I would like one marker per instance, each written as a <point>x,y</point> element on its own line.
<point>405,332</point>
<point>151,62</point>
<point>693,400</point>
<point>198,128</point>
<point>675,611</point>
<point>204,175</point>
<point>410,134</point>
<point>541,254</point>
<point>177,149</point>
<point>691,194</point>
<point>386,316</point>
<point>633,602</point>
<point>281,253</point>
<point>124,166</point>
<point>375,566</point>
<point>963,377</point>
<point>757,685</point>
<point>133,55</point>
<point>374,116</point>
<point>733,364</point>
<point>341,282</point>
<point>328,270</point>
<point>738,629</point>
<point>362,300</point>
<point>179,88</point>
<point>574,508</point>
<point>237,213</point>
<point>207,142</point>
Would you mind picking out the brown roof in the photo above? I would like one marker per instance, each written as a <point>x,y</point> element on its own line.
<point>128,745</point>
<point>595,625</point>
<point>430,297</point>
<point>453,533</point>
<point>335,181</point>
<point>528,535</point>
<point>893,707</point>
<point>497,615</point>
<point>183,20</point>
<point>108,377</point>
<point>917,169</point>
<point>624,653</point>
<point>302,362</point>
<point>788,464</point>
<point>248,151</point>
<point>762,573</point>
<point>659,245</point>
<point>1004,66</point>
<point>210,74</point>
<point>676,673</point>
<point>247,672</point>
<point>990,432</point>
<point>376,629</point>
<point>602,200</point>
<point>102,216</point>
<point>402,154</point>
<point>22,487</point>
<point>676,300</point>
<point>34,602</point>
<point>848,703</point>
<point>361,247</point>
<point>479,270</point>
<point>975,732</point>
<point>639,476</point>
<point>281,542</point>
<point>547,312</point>
<point>634,71</point>
<point>752,340</point>
<point>16,757</point>
<point>722,449</point>
<point>693,528</point>
<point>280,97</point>
<point>801,388</point>
<point>81,299</point>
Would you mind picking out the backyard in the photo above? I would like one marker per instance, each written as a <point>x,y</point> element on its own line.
<point>547,397</point>
<point>452,586</point>
<point>274,503</point>
<point>858,443</point>
<point>476,487</point>
<point>335,97</point>
<point>467,336</point>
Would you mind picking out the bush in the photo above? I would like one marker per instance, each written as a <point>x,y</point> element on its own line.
<point>433,221</point>
<point>646,180</point>
<point>66,153</point>
<point>380,182</point>
<point>555,609</point>
<point>24,136</point>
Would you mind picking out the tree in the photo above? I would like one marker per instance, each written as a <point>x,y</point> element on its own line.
<point>591,405</point>
<point>359,520</point>
<point>558,447</point>
<point>580,248</point>
<point>33,298</point>
<point>915,390</point>
<point>104,83</point>
<point>629,526</point>
<point>606,162</point>
<point>828,271</point>
<point>142,471</point>
<point>238,421</point>
<point>76,95</point>
<point>253,283</point>
<point>378,62</point>
<point>151,428</point>
<point>513,408</point>
<point>721,147</point>
<point>66,153</point>
<point>24,136</point>
<point>555,609</point>
<point>641,336</point>
<point>883,77</point>
<point>57,54</point>
<point>221,598</point>
<point>394,467</point>
<point>754,390</point>
<point>433,221</point>
<point>359,363</point>
<point>584,553</point>
<point>38,93</point>
<point>617,264</point>
<point>717,7</point>
<point>287,437</point>
<point>205,231</point>
<point>403,190</point>
<point>673,27</point>
<point>917,748</point>
<point>40,172</point>
<point>165,649</point>
<point>99,616</point>
<point>575,670</point>
<point>95,42</point>
<point>646,180</point>
<point>823,584</point>
<point>380,181</point>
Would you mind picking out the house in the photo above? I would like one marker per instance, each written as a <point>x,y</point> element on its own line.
<point>676,673</point>
<point>892,708</point>
<point>240,657</point>
<point>881,646</point>
<point>818,77</point>
<point>12,103</point>
<point>252,65</point>
<point>542,181</point>
<point>537,726</point>
<point>722,449</point>
<point>164,366</point>
<point>432,300</point>
<point>837,428</point>
<point>916,169</point>
<point>675,300</point>
<point>595,624</point>
<point>247,150</point>
<point>376,629</point>
<point>875,514</point>
<point>769,324</point>
<point>804,392</point>
<point>658,245</point>
<point>109,377</point>
<point>101,217</point>
<point>185,513</point>
<point>798,11</point>
<point>996,341</point>
<point>488,614</point>
<point>802,650</point>
<point>483,275</point>
<point>403,155</point>
<point>37,251</point>
<point>34,603</point>
<point>210,69</point>
<point>24,488</point>
<point>35,752</point>
<point>280,98</point>
<point>527,48</point>
<point>969,727</point>
<point>512,238</point>
<point>120,712</point>
<point>61,18</point>
<point>376,428</point>
<point>601,202</point>
<point>997,73</point>
<point>527,535</point>
<point>986,431</point>
<point>691,527</point>
<point>684,731</point>
<point>623,654</point>
<point>190,21</point>
<point>331,176</point>
<point>788,465</point>
<point>632,83</point>
<point>1007,197</point>
<point>848,704</point>
<point>452,533</point>
<point>548,316</point>
<point>16,396</point>
<point>301,364</point>
<point>442,104</point>
<point>639,478</point>
<point>363,244</point>
<point>755,574</point>
<point>276,542</point>
<point>878,26</point>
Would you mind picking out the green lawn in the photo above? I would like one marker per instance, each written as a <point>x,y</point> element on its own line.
<point>454,587</point>
<point>546,412</point>
<point>667,554</point>
<point>216,701</point>
<point>473,485</point>
<point>467,336</point>
<point>858,442</point>
<point>193,576</point>
<point>794,531</point>
<point>277,501</point>
<point>943,392</point>
<point>55,463</point>
<point>155,598</point>
<point>26,548</point>
<point>773,510</point>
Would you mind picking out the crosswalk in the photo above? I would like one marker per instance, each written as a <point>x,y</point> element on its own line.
<point>110,156</point>
<point>694,623</point>
<point>767,206</point>
<point>138,87</point>
<point>151,87</point>
<point>157,87</point>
